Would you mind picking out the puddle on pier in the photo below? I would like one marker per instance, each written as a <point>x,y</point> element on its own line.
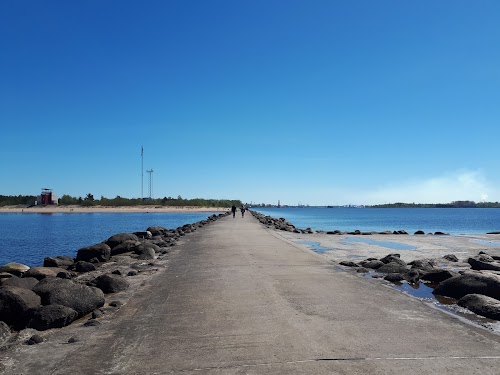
<point>488,243</point>
<point>315,246</point>
<point>387,244</point>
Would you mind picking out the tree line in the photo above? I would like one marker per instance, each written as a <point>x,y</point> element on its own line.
<point>454,204</point>
<point>89,200</point>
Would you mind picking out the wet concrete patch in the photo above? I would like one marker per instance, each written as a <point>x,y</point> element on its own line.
<point>387,244</point>
<point>315,246</point>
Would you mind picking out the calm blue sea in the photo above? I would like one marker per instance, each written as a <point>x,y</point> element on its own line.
<point>28,238</point>
<point>449,220</point>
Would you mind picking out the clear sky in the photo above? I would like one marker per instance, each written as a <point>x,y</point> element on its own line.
<point>318,102</point>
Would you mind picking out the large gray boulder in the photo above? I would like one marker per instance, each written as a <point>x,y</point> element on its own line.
<point>16,305</point>
<point>42,272</point>
<point>110,283</point>
<point>147,250</point>
<point>373,264</point>
<point>392,267</point>
<point>52,316</point>
<point>125,247</point>
<point>20,282</point>
<point>438,275</point>
<point>14,268</point>
<point>100,251</point>
<point>157,230</point>
<point>470,283</point>
<point>81,298</point>
<point>61,261</point>
<point>119,238</point>
<point>483,262</point>
<point>481,305</point>
<point>393,258</point>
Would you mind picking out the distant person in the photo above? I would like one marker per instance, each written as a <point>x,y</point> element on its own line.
<point>233,210</point>
<point>242,211</point>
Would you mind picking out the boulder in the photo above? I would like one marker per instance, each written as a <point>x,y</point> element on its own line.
<point>42,272</point>
<point>422,264</point>
<point>101,251</point>
<point>348,264</point>
<point>110,283</point>
<point>119,238</point>
<point>16,305</point>
<point>481,305</point>
<point>437,275</point>
<point>451,257</point>
<point>470,283</point>
<point>14,268</point>
<point>4,333</point>
<point>156,230</point>
<point>5,275</point>
<point>393,258</point>
<point>82,266</point>
<point>419,232</point>
<point>81,298</point>
<point>125,247</point>
<point>52,316</point>
<point>20,282</point>
<point>483,262</point>
<point>394,277</point>
<point>373,264</point>
<point>392,267</point>
<point>60,261</point>
<point>144,235</point>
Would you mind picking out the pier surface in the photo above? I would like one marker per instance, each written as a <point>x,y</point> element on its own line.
<point>237,299</point>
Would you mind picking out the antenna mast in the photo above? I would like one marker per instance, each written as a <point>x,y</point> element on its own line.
<point>142,173</point>
<point>150,172</point>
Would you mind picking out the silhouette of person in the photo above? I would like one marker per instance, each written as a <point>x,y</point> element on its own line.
<point>233,210</point>
<point>242,211</point>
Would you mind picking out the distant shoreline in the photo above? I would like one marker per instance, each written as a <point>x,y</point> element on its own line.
<point>108,209</point>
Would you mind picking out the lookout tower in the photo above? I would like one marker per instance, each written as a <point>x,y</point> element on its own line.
<point>47,197</point>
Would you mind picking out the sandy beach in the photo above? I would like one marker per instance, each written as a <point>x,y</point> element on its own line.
<point>109,209</point>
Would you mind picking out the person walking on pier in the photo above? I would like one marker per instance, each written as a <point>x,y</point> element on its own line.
<point>233,210</point>
<point>242,211</point>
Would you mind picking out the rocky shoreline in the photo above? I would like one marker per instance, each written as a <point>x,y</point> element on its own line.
<point>81,289</point>
<point>472,283</point>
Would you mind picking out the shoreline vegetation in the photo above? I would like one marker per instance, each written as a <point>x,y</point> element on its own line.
<point>26,203</point>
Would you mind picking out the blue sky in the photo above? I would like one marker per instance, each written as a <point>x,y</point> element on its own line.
<point>318,102</point>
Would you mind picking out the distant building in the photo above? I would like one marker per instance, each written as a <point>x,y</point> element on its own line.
<point>47,197</point>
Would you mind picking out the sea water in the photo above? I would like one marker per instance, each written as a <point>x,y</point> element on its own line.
<point>28,238</point>
<point>430,220</point>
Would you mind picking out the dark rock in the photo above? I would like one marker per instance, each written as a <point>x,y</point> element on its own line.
<point>132,273</point>
<point>119,238</point>
<point>392,267</point>
<point>483,262</point>
<point>16,305</point>
<point>5,275</point>
<point>73,339</point>
<point>362,270</point>
<point>117,304</point>
<point>393,258</point>
<point>144,235</point>
<point>440,234</point>
<point>35,339</point>
<point>4,333</point>
<point>438,275</point>
<point>493,233</point>
<point>116,272</point>
<point>60,261</point>
<point>470,283</point>
<point>82,266</point>
<point>394,277</point>
<point>412,276</point>
<point>125,247</point>
<point>348,264</point>
<point>92,323</point>
<point>101,251</point>
<point>42,272</point>
<point>451,257</point>
<point>81,298</point>
<point>110,283</point>
<point>52,316</point>
<point>481,305</point>
<point>20,282</point>
<point>422,264</point>
<point>14,268</point>
<point>96,314</point>
<point>419,232</point>
<point>156,230</point>
<point>66,275</point>
<point>373,264</point>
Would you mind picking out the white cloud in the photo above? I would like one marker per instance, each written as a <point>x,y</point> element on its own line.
<point>459,185</point>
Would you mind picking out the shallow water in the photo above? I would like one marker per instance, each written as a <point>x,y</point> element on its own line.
<point>488,243</point>
<point>315,246</point>
<point>387,244</point>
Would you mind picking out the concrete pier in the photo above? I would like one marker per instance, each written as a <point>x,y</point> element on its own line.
<point>237,299</point>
